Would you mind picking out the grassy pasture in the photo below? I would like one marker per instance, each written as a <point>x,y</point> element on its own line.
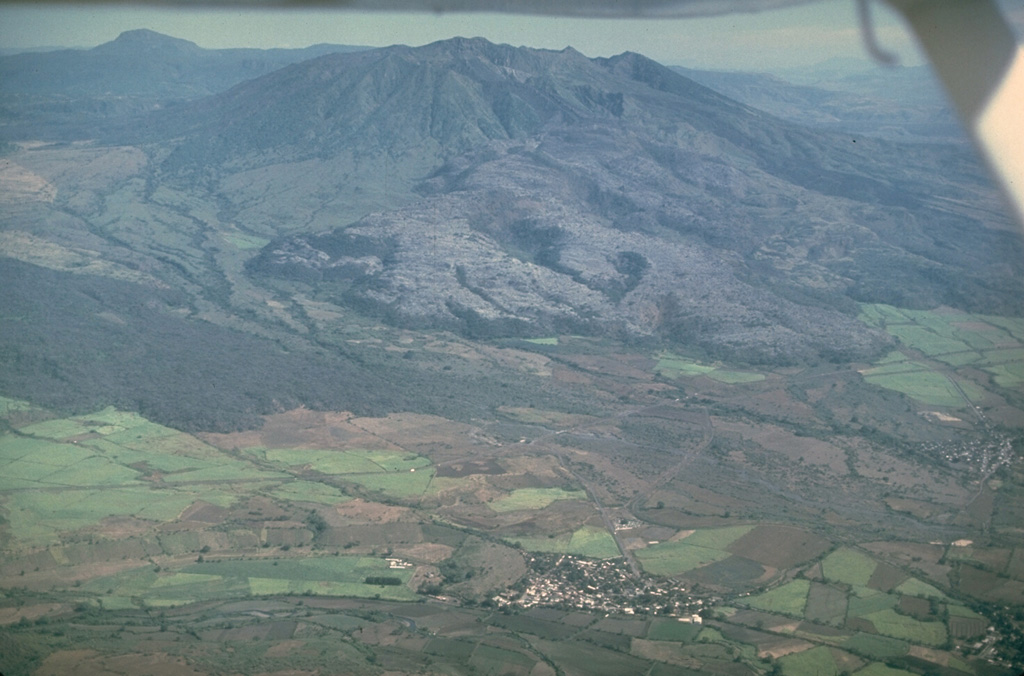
<point>245,242</point>
<point>671,365</point>
<point>920,382</point>
<point>359,461</point>
<point>673,630</point>
<point>716,538</point>
<point>814,662</point>
<point>1007,375</point>
<point>591,542</point>
<point>849,566</point>
<point>876,647</point>
<point>789,599</point>
<point>330,576</point>
<point>309,491</point>
<point>954,338</point>
<point>673,558</point>
<point>695,550</point>
<point>674,366</point>
<point>890,623</point>
<point>396,484</point>
<point>8,405</point>
<point>93,471</point>
<point>533,498</point>
<point>915,587</point>
<point>59,429</point>
<point>825,604</point>
<point>865,601</point>
<point>927,340</point>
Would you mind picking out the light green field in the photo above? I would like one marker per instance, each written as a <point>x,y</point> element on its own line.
<point>674,366</point>
<point>716,538</point>
<point>542,341</point>
<point>961,611</point>
<point>673,558</point>
<point>344,462</point>
<point>591,542</point>
<point>954,338</point>
<point>817,661</point>
<point>927,340</point>
<point>309,491</point>
<point>698,549</point>
<point>8,405</point>
<point>865,601</point>
<point>396,484</point>
<point>789,599</point>
<point>93,471</point>
<point>1007,375</point>
<point>226,471</point>
<point>849,566</point>
<point>876,647</point>
<point>915,587</point>
<point>245,242</point>
<point>56,429</point>
<point>39,517</point>
<point>331,576</point>
<point>890,623</point>
<point>923,384</point>
<point>533,498</point>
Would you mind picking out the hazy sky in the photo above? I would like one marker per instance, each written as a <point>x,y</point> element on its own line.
<point>799,35</point>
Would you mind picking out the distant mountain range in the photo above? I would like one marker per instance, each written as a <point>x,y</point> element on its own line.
<point>137,71</point>
<point>901,103</point>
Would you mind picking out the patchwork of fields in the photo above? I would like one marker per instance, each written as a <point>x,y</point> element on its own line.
<point>937,345</point>
<point>738,495</point>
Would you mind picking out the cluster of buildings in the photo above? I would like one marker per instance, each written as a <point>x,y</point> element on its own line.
<point>573,583</point>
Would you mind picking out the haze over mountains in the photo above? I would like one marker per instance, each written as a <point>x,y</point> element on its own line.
<point>498,191</point>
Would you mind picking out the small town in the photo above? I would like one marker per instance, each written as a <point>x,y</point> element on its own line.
<point>569,582</point>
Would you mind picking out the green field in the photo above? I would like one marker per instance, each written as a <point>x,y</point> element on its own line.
<point>309,491</point>
<point>849,566</point>
<point>673,630</point>
<point>915,587</point>
<point>344,462</point>
<point>533,498</point>
<point>1007,375</point>
<point>328,576</point>
<point>919,382</point>
<point>876,647</point>
<point>789,599</point>
<point>542,341</point>
<point>591,542</point>
<point>698,549</point>
<point>890,623</point>
<point>814,662</point>
<point>876,669</point>
<point>995,344</point>
<point>395,484</point>
<point>671,365</point>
